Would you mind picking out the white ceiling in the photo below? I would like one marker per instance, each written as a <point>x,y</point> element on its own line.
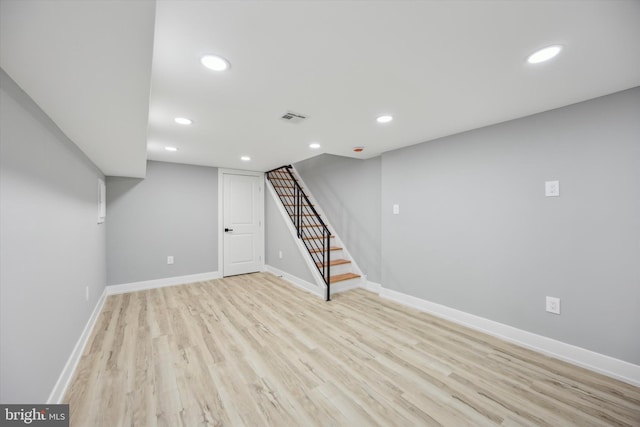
<point>439,67</point>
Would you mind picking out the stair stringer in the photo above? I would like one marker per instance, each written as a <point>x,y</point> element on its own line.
<point>321,288</point>
<point>339,286</point>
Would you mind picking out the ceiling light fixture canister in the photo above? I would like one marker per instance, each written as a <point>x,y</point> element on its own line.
<point>215,62</point>
<point>544,54</point>
<point>183,121</point>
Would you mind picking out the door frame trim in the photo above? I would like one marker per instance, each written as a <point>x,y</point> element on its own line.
<point>261,250</point>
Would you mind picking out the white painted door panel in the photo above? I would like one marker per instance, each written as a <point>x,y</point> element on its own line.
<point>242,221</point>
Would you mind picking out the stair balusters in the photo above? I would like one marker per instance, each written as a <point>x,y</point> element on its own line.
<point>308,224</point>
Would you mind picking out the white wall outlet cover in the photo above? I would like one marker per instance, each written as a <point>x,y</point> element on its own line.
<point>396,209</point>
<point>552,188</point>
<point>553,305</point>
<point>170,259</point>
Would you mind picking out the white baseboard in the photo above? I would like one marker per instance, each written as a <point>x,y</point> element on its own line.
<point>161,283</point>
<point>57,394</point>
<point>346,285</point>
<point>615,368</point>
<point>310,287</point>
<point>372,287</point>
<point>296,281</point>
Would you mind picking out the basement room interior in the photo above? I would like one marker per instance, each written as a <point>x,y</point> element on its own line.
<point>320,213</point>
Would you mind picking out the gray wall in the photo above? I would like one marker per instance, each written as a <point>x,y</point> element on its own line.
<point>278,238</point>
<point>173,211</point>
<point>51,249</point>
<point>348,190</point>
<point>476,233</point>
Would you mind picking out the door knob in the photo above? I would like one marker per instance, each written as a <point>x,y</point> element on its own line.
<point>226,230</point>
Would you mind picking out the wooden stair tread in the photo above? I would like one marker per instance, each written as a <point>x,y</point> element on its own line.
<point>332,248</point>
<point>334,262</point>
<point>345,276</point>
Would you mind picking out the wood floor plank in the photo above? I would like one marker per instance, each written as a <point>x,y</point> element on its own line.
<point>253,350</point>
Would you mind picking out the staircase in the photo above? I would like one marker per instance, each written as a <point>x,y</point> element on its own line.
<point>332,261</point>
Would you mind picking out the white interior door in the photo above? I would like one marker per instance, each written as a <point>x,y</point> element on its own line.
<point>243,207</point>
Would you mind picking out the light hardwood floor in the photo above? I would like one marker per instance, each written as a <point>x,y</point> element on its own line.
<point>255,351</point>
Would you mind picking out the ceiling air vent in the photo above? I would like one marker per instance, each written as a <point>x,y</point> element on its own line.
<point>293,117</point>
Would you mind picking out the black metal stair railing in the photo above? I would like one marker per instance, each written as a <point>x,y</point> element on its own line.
<point>310,227</point>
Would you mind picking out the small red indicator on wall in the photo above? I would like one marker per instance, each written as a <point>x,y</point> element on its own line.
<point>358,149</point>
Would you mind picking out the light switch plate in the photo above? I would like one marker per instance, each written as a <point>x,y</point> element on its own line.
<point>552,188</point>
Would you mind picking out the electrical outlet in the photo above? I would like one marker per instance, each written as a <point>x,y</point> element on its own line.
<point>396,209</point>
<point>553,305</point>
<point>280,254</point>
<point>170,259</point>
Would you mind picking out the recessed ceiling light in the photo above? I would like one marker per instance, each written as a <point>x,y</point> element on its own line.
<point>171,148</point>
<point>314,145</point>
<point>214,62</point>
<point>183,121</point>
<point>544,54</point>
<point>384,119</point>
<point>245,158</point>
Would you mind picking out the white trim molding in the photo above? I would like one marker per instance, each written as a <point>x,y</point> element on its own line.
<point>59,390</point>
<point>296,281</point>
<point>372,287</point>
<point>606,365</point>
<point>161,283</point>
<point>347,285</point>
<point>313,288</point>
